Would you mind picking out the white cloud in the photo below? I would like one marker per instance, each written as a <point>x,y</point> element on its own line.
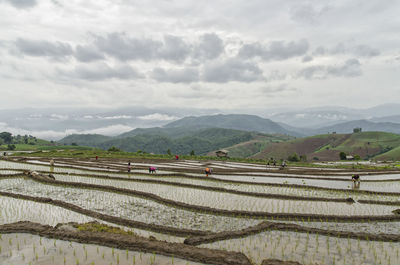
<point>96,54</point>
<point>158,116</point>
<point>118,117</point>
<point>59,117</point>
<point>111,130</point>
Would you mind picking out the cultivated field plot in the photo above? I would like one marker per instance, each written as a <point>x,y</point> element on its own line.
<point>241,214</point>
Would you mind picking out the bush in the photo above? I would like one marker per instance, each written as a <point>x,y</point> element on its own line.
<point>342,155</point>
<point>11,147</point>
<point>303,158</point>
<point>293,158</point>
<point>114,149</point>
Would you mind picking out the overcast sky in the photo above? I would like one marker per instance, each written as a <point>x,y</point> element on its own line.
<point>233,54</point>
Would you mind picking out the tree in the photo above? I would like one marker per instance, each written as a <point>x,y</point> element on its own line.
<point>169,151</point>
<point>293,158</point>
<point>192,153</point>
<point>114,149</point>
<point>74,144</point>
<point>303,158</point>
<point>6,136</point>
<point>357,157</point>
<point>11,147</point>
<point>342,155</point>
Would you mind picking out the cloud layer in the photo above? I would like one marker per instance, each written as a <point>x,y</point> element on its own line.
<point>123,53</point>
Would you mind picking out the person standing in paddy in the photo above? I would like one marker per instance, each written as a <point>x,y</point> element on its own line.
<point>129,167</point>
<point>52,165</point>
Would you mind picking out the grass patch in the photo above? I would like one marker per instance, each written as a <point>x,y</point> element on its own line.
<point>102,228</point>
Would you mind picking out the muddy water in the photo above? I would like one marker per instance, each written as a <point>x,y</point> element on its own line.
<point>19,249</point>
<point>127,206</point>
<point>14,210</point>
<point>393,186</point>
<point>371,227</point>
<point>228,201</point>
<point>304,192</point>
<point>312,249</point>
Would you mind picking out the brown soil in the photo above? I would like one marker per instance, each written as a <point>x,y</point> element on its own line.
<point>266,226</point>
<point>134,243</point>
<point>278,262</point>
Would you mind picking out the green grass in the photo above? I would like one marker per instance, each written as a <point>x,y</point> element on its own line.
<point>38,147</point>
<point>97,227</point>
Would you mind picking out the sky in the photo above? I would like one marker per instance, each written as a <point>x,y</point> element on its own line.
<point>226,55</point>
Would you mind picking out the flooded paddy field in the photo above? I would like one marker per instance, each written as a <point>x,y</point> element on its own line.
<point>36,250</point>
<point>179,197</point>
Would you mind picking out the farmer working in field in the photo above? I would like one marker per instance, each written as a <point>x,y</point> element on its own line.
<point>52,165</point>
<point>356,181</point>
<point>152,170</point>
<point>208,171</point>
<point>129,167</point>
<point>356,178</point>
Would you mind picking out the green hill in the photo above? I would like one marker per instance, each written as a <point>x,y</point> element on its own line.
<point>232,121</point>
<point>367,145</point>
<point>84,139</point>
<point>159,141</point>
<point>255,145</point>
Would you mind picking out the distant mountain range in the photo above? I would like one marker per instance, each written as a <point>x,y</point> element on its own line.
<point>177,140</point>
<point>314,118</point>
<point>249,134</point>
<point>56,123</point>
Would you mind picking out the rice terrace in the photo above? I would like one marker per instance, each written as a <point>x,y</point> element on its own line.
<point>57,208</point>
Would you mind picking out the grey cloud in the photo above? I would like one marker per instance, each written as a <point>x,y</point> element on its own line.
<point>55,50</point>
<point>365,51</point>
<point>319,51</point>
<point>187,75</point>
<point>304,13</point>
<point>102,71</point>
<point>351,68</point>
<point>120,46</point>
<point>277,89</point>
<point>307,58</point>
<point>87,53</point>
<point>210,46</point>
<point>361,50</point>
<point>231,70</point>
<point>276,75</point>
<point>174,49</point>
<point>125,48</point>
<point>21,3</point>
<point>275,50</point>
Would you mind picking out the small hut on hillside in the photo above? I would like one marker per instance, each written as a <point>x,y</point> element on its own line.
<point>222,153</point>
